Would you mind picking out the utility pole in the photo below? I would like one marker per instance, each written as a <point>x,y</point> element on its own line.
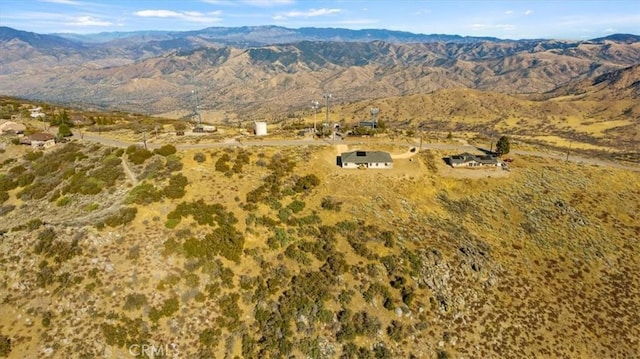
<point>327,96</point>
<point>374,117</point>
<point>314,106</point>
<point>144,139</point>
<point>197,109</point>
<point>568,150</point>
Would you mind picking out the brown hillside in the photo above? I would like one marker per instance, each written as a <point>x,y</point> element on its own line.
<point>285,77</point>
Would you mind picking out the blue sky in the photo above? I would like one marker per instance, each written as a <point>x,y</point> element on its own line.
<point>505,19</point>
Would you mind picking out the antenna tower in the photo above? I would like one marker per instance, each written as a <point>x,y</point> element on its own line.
<point>374,116</point>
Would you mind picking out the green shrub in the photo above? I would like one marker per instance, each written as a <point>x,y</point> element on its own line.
<point>83,184</point>
<point>396,331</point>
<point>199,157</point>
<point>296,206</point>
<point>176,186</point>
<point>306,183</point>
<point>124,216</point>
<point>38,189</point>
<point>224,240</point>
<point>33,155</point>
<point>5,346</point>
<point>172,223</point>
<point>169,307</point>
<point>221,163</point>
<point>64,131</point>
<point>135,301</point>
<point>144,194</point>
<point>110,171</point>
<point>17,170</point>
<point>91,207</point>
<point>331,204</point>
<point>45,241</point>
<point>279,239</point>
<point>166,150</point>
<point>173,164</point>
<point>25,179</point>
<point>137,155</point>
<point>34,224</point>
<point>7,183</point>
<point>3,196</point>
<point>63,201</point>
<point>203,213</point>
<point>209,337</point>
<point>46,319</point>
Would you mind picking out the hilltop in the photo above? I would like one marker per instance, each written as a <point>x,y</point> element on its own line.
<point>270,251</point>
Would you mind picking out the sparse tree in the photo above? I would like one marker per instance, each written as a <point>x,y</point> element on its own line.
<point>64,131</point>
<point>503,146</point>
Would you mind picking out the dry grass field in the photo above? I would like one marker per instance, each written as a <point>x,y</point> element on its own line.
<point>276,251</point>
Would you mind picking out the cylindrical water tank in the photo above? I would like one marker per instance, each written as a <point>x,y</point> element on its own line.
<point>260,128</point>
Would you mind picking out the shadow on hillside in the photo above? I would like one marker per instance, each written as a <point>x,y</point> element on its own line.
<point>486,151</point>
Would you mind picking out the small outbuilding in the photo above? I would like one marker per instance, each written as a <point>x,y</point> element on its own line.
<point>470,160</point>
<point>366,159</point>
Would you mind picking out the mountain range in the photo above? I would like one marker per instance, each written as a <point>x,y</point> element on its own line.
<point>259,70</point>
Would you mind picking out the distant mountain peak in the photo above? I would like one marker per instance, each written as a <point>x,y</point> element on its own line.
<point>621,38</point>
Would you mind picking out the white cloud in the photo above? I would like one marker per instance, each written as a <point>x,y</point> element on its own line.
<point>63,2</point>
<point>89,21</point>
<point>423,12</point>
<point>509,12</point>
<point>352,22</point>
<point>478,27</point>
<point>268,3</point>
<point>308,13</point>
<point>191,16</point>
<point>528,12</point>
<point>158,13</point>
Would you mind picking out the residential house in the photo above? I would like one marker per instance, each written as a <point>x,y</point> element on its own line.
<point>470,160</point>
<point>366,159</point>
<point>39,140</point>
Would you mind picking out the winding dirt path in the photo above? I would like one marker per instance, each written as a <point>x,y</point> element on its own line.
<point>127,170</point>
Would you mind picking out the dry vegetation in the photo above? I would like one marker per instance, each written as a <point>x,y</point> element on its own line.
<point>270,252</point>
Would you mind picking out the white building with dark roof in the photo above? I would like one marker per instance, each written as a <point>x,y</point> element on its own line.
<point>366,159</point>
<point>469,160</point>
